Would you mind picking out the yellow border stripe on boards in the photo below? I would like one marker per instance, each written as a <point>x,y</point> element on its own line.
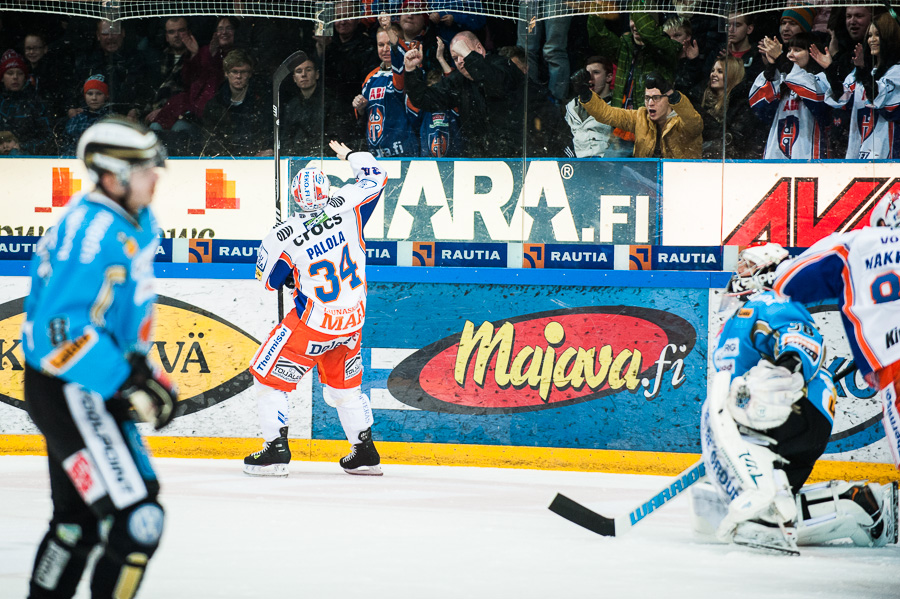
<point>440,454</point>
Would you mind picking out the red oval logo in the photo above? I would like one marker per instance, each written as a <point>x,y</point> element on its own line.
<point>541,360</point>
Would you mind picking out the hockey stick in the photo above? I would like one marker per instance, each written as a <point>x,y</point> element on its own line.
<point>278,77</point>
<point>613,527</point>
<point>610,527</point>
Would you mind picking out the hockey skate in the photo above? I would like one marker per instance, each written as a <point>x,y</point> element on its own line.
<point>272,459</point>
<point>767,537</point>
<point>363,457</point>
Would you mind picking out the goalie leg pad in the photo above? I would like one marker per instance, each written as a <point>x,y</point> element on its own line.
<point>353,409</point>
<point>743,471</point>
<point>708,509</point>
<point>838,510</point>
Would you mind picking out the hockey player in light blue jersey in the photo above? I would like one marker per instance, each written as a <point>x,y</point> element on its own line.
<point>768,419</point>
<point>89,317</point>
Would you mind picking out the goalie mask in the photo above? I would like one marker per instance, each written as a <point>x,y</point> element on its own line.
<point>886,212</point>
<point>755,271</point>
<point>118,146</point>
<point>310,189</point>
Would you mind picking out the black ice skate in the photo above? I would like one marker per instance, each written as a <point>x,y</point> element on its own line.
<point>272,459</point>
<point>363,458</point>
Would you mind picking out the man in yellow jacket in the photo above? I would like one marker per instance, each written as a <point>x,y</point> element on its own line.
<point>666,126</point>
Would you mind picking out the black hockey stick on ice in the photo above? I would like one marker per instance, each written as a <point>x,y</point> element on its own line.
<point>616,527</point>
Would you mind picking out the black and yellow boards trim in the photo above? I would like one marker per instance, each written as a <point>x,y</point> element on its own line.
<point>205,355</point>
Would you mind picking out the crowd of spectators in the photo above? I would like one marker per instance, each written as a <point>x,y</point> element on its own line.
<point>439,81</point>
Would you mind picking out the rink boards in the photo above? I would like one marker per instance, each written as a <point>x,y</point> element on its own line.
<point>534,368</point>
<point>491,283</point>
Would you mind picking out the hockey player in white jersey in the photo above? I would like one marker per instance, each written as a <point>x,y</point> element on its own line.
<point>320,254</point>
<point>861,269</point>
<point>767,420</point>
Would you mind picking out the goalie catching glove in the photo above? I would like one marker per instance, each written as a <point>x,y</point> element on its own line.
<point>150,393</point>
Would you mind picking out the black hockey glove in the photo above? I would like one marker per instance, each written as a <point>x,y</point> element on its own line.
<point>150,393</point>
<point>289,281</point>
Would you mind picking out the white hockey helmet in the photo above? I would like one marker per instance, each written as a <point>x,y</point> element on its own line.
<point>118,146</point>
<point>310,189</point>
<point>886,212</point>
<point>756,268</point>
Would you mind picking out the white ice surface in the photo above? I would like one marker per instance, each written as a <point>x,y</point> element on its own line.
<point>435,532</point>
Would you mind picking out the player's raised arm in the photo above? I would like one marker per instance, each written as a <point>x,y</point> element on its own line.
<point>339,148</point>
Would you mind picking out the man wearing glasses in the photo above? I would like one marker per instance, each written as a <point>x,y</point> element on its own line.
<point>666,126</point>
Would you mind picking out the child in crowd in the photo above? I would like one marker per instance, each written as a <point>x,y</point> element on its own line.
<point>96,97</point>
<point>9,145</point>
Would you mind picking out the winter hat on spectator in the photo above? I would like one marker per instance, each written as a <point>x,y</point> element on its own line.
<point>802,15</point>
<point>12,60</point>
<point>96,82</point>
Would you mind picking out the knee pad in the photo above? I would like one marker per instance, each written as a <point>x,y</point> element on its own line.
<point>342,398</point>
<point>132,538</point>
<point>137,529</point>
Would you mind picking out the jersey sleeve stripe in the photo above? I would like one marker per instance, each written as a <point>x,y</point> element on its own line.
<point>806,93</point>
<point>307,311</point>
<point>858,332</point>
<point>766,93</point>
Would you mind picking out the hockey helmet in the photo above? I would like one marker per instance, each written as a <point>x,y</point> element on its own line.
<point>310,189</point>
<point>756,268</point>
<point>118,146</point>
<point>886,212</point>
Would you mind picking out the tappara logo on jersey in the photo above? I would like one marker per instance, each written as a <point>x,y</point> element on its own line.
<point>866,119</point>
<point>375,128</point>
<point>787,134</point>
<point>438,143</point>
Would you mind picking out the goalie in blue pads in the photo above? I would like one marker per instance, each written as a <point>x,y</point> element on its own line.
<point>767,420</point>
